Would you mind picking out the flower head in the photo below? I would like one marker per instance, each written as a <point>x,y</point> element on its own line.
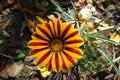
<point>55,45</point>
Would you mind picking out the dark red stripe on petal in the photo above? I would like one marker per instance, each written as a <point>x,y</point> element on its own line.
<point>57,61</point>
<point>64,65</point>
<point>37,44</point>
<point>49,65</point>
<point>58,25</point>
<point>43,31</point>
<point>75,51</point>
<point>49,28</point>
<point>39,36</point>
<point>66,30</point>
<point>54,28</point>
<point>72,34</point>
<point>69,58</point>
<point>73,41</point>
<point>37,51</point>
<point>43,57</point>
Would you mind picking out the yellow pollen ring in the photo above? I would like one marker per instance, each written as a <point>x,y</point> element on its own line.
<point>56,45</point>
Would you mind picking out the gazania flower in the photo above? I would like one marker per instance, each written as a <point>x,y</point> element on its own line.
<point>55,45</point>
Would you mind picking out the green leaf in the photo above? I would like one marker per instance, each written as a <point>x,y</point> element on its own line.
<point>105,18</point>
<point>110,60</point>
<point>23,74</point>
<point>1,42</point>
<point>101,37</point>
<point>21,55</point>
<point>75,12</point>
<point>61,9</point>
<point>57,5</point>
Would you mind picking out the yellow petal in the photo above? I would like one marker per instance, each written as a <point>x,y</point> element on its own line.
<point>60,62</point>
<point>53,62</point>
<point>68,29</point>
<point>58,25</point>
<point>73,34</point>
<point>52,27</point>
<point>43,31</point>
<point>65,63</point>
<point>33,36</point>
<point>70,60</point>
<point>49,66</point>
<point>40,19</point>
<point>74,42</point>
<point>45,59</point>
<point>74,52</point>
<point>37,44</point>
<point>56,62</point>
<point>63,27</point>
<point>37,36</point>
<point>39,55</point>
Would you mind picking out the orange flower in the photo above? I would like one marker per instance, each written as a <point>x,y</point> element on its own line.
<point>55,45</point>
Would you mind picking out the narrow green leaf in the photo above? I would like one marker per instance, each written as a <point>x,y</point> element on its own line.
<point>75,12</point>
<point>101,37</point>
<point>105,18</point>
<point>21,55</point>
<point>57,5</point>
<point>61,9</point>
<point>110,60</point>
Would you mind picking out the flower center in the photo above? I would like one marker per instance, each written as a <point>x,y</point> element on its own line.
<point>56,45</point>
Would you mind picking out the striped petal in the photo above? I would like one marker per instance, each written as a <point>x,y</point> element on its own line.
<point>37,44</point>
<point>66,30</point>
<point>74,42</point>
<point>49,66</point>
<point>37,36</point>
<point>65,63</point>
<point>40,55</point>
<point>43,31</point>
<point>56,62</point>
<point>50,27</point>
<point>69,61</point>
<point>74,52</point>
<point>43,60</point>
<point>52,24</point>
<point>36,51</point>
<point>58,25</point>
<point>75,33</point>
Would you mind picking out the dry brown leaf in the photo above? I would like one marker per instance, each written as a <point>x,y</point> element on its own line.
<point>10,1</point>
<point>14,69</point>
<point>4,24</point>
<point>115,37</point>
<point>30,23</point>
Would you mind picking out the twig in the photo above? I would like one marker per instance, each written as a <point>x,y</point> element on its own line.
<point>114,54</point>
<point>115,60</point>
<point>105,18</point>
<point>111,62</point>
<point>4,55</point>
<point>3,26</point>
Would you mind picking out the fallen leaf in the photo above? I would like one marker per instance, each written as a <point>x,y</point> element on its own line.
<point>115,37</point>
<point>4,73</point>
<point>14,69</point>
<point>85,14</point>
